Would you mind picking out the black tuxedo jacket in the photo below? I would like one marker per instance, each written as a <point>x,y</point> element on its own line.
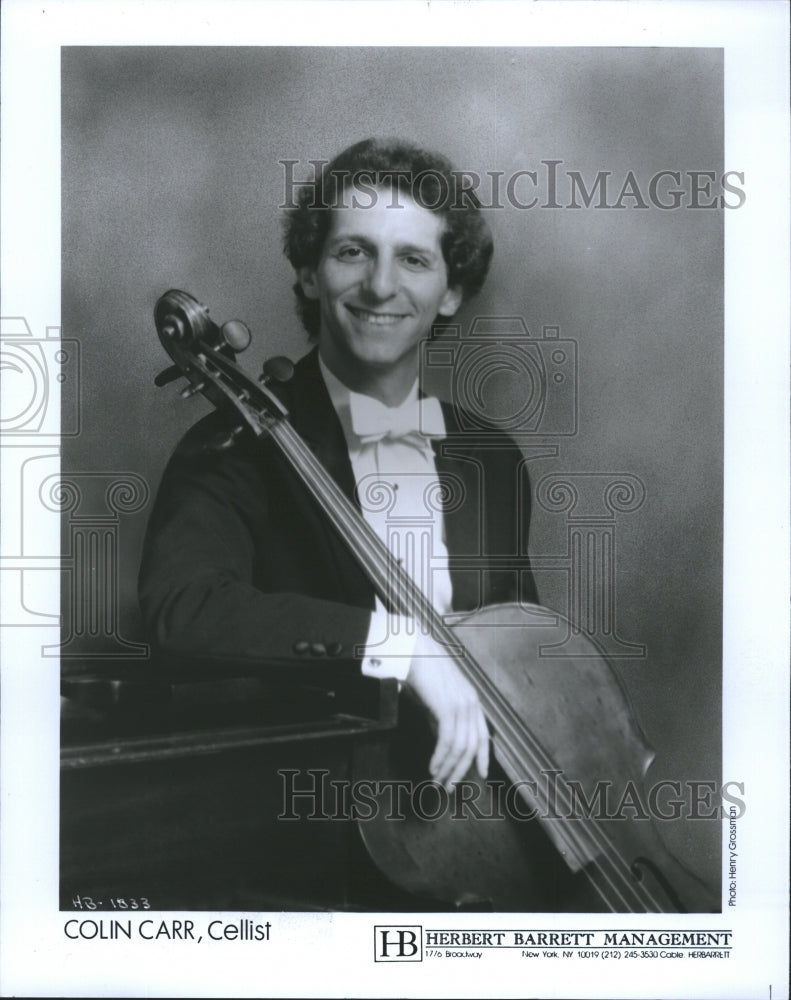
<point>240,563</point>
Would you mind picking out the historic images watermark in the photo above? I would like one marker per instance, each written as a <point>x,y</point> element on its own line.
<point>552,184</point>
<point>41,404</point>
<point>311,794</point>
<point>36,370</point>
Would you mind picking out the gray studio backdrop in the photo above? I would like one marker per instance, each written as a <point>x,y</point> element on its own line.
<point>172,178</point>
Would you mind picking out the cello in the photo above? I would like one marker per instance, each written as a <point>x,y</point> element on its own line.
<point>562,728</point>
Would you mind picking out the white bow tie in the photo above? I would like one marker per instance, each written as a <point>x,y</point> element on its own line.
<point>414,422</point>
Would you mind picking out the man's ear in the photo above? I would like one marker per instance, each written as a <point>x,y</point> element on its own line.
<point>451,301</point>
<point>307,280</point>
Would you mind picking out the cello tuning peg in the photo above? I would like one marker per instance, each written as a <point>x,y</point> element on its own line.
<point>173,328</point>
<point>236,335</point>
<point>222,442</point>
<point>276,370</point>
<point>169,374</point>
<point>192,390</point>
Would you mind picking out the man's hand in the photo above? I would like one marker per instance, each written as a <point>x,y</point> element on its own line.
<point>462,733</point>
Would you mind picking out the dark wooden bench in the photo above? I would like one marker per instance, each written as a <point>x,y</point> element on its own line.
<point>172,784</point>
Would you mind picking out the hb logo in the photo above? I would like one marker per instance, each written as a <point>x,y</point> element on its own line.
<point>398,944</point>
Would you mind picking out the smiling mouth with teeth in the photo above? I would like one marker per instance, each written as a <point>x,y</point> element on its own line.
<point>378,319</point>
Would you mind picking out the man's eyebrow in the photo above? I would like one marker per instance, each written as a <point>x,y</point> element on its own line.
<point>349,238</point>
<point>417,248</point>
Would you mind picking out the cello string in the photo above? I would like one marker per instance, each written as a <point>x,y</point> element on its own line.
<point>612,876</point>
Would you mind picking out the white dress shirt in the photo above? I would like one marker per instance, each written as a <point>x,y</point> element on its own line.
<point>397,485</point>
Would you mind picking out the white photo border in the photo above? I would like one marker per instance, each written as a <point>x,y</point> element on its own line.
<point>332,954</point>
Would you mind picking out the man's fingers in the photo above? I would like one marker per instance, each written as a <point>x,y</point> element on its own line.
<point>454,747</point>
<point>462,766</point>
<point>445,731</point>
<point>453,741</point>
<point>464,747</point>
<point>462,736</point>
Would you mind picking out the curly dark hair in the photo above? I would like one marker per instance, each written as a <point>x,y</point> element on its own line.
<point>427,177</point>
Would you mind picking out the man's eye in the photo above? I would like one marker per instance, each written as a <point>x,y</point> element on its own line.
<point>350,253</point>
<point>415,263</point>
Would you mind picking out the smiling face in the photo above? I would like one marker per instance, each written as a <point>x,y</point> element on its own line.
<point>380,283</point>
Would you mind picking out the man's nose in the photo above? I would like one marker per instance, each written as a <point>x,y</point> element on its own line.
<point>381,278</point>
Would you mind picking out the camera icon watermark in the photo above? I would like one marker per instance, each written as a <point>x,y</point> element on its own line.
<point>33,369</point>
<point>501,378</point>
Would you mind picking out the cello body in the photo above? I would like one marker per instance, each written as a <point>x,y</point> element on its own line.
<point>480,848</point>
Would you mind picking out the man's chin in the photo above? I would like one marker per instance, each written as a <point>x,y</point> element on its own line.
<point>377,352</point>
<point>381,360</point>
<point>380,351</point>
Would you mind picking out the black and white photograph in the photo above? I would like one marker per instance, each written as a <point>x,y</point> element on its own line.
<point>395,478</point>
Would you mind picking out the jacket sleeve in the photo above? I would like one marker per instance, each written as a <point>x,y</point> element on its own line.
<point>205,557</point>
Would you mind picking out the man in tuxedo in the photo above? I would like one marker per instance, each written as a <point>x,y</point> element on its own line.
<point>239,562</point>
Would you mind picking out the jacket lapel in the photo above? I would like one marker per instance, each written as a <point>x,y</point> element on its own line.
<point>462,521</point>
<point>314,418</point>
